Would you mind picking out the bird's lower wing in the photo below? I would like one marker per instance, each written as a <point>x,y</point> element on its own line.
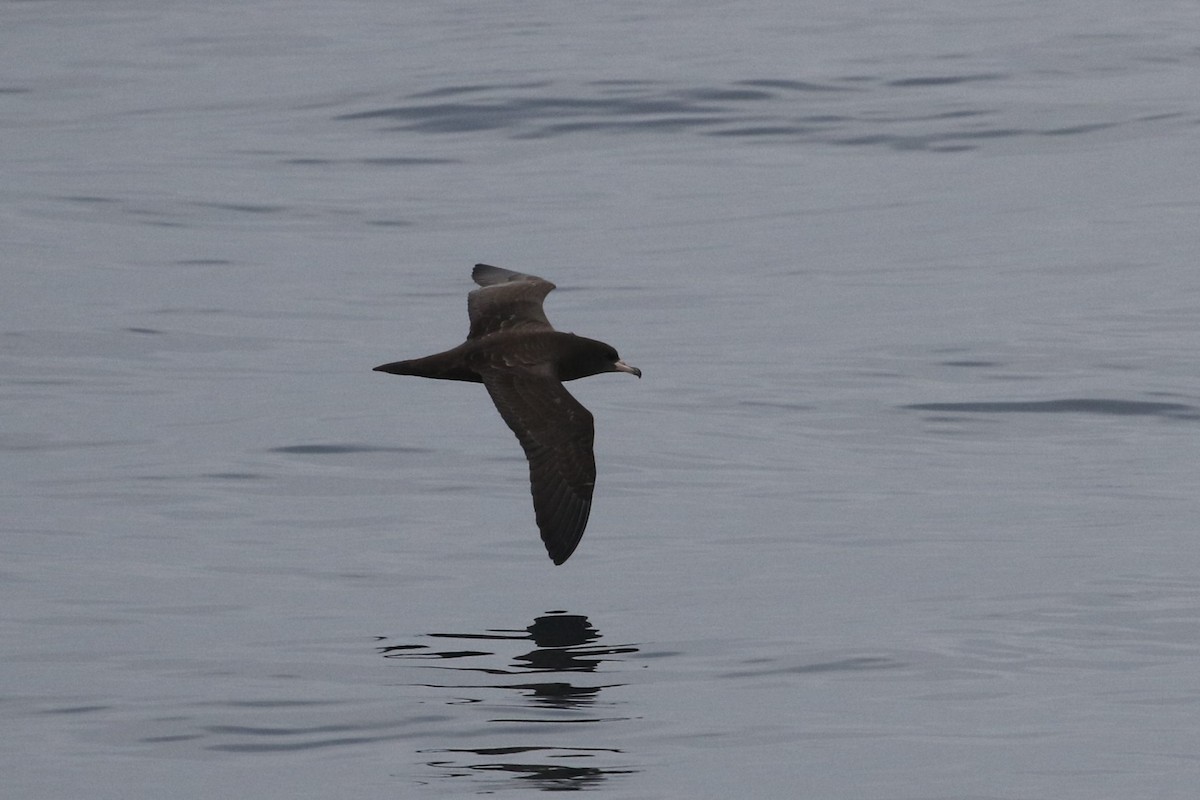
<point>556,432</point>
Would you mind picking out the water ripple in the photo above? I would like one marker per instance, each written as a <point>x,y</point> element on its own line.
<point>342,449</point>
<point>1083,405</point>
<point>942,113</point>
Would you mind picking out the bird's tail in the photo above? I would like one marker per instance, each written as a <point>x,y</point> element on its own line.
<point>442,366</point>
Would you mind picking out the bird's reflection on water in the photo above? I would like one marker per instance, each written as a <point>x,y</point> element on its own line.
<point>566,648</point>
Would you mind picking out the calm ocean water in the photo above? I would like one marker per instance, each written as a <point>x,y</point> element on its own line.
<point>904,507</point>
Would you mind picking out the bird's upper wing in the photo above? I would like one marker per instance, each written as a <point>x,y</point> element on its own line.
<point>556,432</point>
<point>507,301</point>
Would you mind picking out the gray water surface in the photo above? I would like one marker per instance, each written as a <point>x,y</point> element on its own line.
<point>904,507</point>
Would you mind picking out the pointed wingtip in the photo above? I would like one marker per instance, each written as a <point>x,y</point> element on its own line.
<point>559,551</point>
<point>488,275</point>
<point>561,547</point>
<point>491,275</point>
<point>559,554</point>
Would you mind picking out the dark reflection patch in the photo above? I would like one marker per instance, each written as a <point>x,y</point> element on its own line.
<point>540,722</point>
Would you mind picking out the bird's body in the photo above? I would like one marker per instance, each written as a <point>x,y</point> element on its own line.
<point>522,361</point>
<point>549,352</point>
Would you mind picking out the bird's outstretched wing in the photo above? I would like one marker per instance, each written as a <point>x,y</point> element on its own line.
<point>556,432</point>
<point>506,301</point>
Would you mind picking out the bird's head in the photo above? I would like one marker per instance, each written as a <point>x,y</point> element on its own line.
<point>590,357</point>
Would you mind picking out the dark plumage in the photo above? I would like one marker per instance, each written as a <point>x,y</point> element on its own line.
<point>522,361</point>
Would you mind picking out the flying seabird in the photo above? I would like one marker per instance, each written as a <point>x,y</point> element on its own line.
<point>522,361</point>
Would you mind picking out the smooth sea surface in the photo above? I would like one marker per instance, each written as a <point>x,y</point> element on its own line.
<point>906,506</point>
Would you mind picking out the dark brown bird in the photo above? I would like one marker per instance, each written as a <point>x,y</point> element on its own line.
<point>522,361</point>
